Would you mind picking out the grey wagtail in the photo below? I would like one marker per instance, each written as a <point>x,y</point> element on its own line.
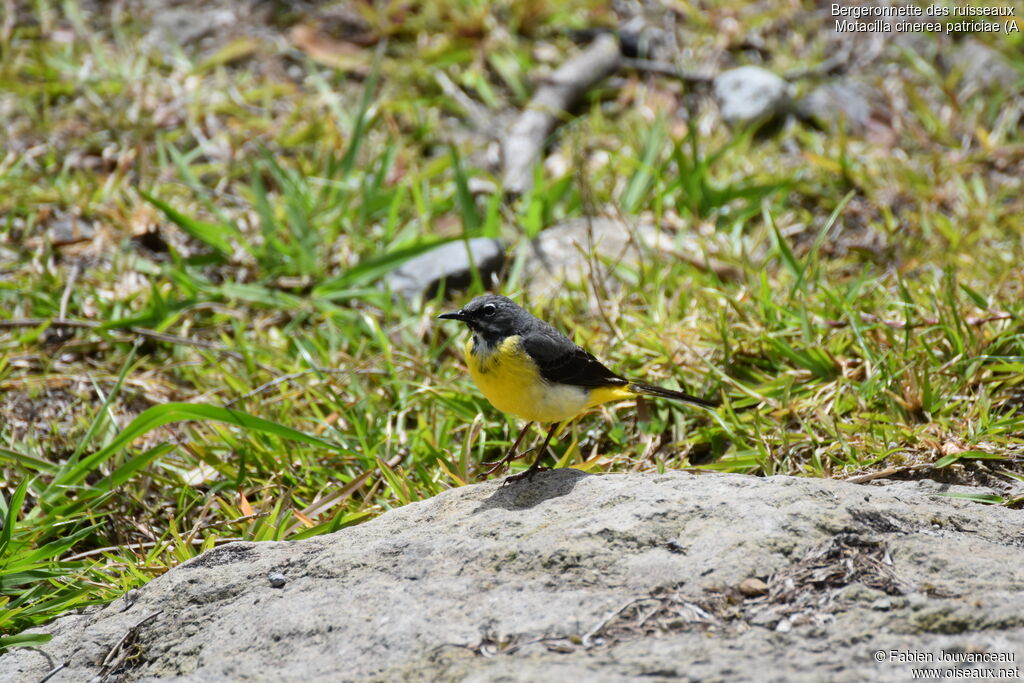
<point>528,368</point>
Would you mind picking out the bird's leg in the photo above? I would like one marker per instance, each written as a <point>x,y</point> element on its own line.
<point>535,467</point>
<point>510,456</point>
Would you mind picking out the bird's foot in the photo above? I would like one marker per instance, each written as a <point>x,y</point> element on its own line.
<point>496,465</point>
<point>525,474</point>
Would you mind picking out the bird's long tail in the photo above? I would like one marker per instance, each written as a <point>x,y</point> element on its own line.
<point>650,389</point>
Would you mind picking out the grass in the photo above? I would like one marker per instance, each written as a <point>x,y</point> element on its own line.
<point>215,225</point>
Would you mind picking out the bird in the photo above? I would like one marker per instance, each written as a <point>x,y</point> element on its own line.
<point>526,367</point>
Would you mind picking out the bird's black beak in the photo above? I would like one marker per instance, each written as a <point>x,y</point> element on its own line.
<point>457,315</point>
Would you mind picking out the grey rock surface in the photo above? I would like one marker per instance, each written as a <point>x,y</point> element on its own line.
<point>561,254</point>
<point>187,25</point>
<point>578,577</point>
<point>750,95</point>
<point>449,264</point>
<point>582,248</point>
<point>984,69</point>
<point>850,105</point>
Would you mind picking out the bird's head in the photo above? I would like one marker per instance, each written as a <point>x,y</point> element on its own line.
<point>490,316</point>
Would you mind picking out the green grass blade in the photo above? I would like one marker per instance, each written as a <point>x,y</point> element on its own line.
<point>213,235</point>
<point>782,249</point>
<point>371,269</point>
<point>12,509</point>
<point>27,461</point>
<point>987,498</point>
<point>23,639</point>
<point>464,200</point>
<point>101,415</point>
<point>158,416</point>
<point>641,181</point>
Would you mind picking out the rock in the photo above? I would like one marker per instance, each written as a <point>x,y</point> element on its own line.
<point>984,69</point>
<point>448,264</point>
<point>574,576</point>
<point>561,254</point>
<point>882,604</point>
<point>860,593</point>
<point>187,25</point>
<point>66,229</point>
<point>849,105</point>
<point>481,186</point>
<point>751,96</point>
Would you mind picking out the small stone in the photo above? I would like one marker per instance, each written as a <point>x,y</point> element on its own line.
<point>479,186</point>
<point>751,96</point>
<point>546,53</point>
<point>753,586</point>
<point>858,592</point>
<point>130,597</point>
<point>882,604</point>
<point>68,229</point>
<point>277,579</point>
<point>187,25</point>
<point>917,601</point>
<point>985,69</point>
<point>784,626</point>
<point>449,264</point>
<point>766,617</point>
<point>557,165</point>
<point>849,105</point>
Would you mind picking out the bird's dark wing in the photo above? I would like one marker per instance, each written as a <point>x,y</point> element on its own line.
<point>562,361</point>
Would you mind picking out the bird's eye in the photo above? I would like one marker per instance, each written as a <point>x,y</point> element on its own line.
<point>490,309</point>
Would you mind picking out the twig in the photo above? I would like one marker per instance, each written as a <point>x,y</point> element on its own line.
<point>269,385</point>
<point>889,471</point>
<point>6,29</point>
<point>147,544</point>
<point>54,670</point>
<point>295,375</point>
<point>223,522</point>
<point>667,69</point>
<point>608,617</point>
<point>830,65</point>
<point>327,502</point>
<point>478,115</point>
<point>139,331</point>
<point>130,634</point>
<point>525,141</point>
<point>902,325</point>
<point>72,276</point>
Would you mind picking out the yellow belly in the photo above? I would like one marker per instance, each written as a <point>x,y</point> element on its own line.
<point>511,382</point>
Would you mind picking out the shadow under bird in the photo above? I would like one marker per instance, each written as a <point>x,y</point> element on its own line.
<point>526,367</point>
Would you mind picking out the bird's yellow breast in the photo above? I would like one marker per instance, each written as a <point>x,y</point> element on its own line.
<point>511,381</point>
